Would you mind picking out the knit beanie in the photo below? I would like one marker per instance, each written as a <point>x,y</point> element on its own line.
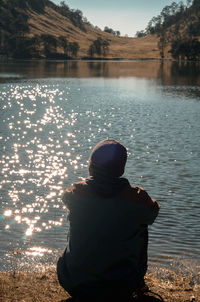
<point>109,155</point>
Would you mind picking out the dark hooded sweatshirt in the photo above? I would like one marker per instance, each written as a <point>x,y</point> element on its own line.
<point>108,234</point>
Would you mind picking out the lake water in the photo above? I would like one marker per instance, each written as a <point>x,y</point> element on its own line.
<point>53,113</point>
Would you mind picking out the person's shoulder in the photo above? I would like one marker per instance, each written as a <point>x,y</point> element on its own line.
<point>77,186</point>
<point>137,194</point>
<point>76,190</point>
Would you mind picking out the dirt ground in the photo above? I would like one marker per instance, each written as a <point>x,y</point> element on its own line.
<point>44,286</point>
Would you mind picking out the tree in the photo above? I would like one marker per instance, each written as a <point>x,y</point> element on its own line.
<point>35,46</point>
<point>63,43</point>
<point>99,47</point>
<point>85,20</point>
<point>140,34</point>
<point>37,5</point>
<point>22,47</point>
<point>194,29</point>
<point>189,2</point>
<point>189,49</point>
<point>91,50</point>
<point>162,43</point>
<point>111,31</point>
<point>19,25</point>
<point>64,5</point>
<point>196,4</point>
<point>105,46</point>
<point>75,15</point>
<point>74,48</point>
<point>13,27</point>
<point>49,44</point>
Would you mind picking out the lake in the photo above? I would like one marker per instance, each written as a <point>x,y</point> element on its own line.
<point>52,115</point>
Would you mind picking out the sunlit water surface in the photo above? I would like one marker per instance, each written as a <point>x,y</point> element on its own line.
<point>48,127</point>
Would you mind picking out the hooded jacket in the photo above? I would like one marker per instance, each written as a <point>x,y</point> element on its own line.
<point>108,235</point>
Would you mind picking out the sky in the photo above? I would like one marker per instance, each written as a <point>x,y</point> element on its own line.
<point>127,16</point>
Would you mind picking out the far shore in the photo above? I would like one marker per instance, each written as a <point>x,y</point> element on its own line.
<point>4,58</point>
<point>44,287</point>
<point>96,59</point>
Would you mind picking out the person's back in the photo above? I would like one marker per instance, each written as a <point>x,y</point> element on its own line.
<point>108,228</point>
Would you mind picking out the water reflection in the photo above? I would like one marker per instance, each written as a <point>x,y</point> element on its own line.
<point>179,75</point>
<point>101,69</point>
<point>169,73</point>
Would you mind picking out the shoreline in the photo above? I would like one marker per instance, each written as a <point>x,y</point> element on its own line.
<point>95,59</point>
<point>89,59</point>
<point>44,286</point>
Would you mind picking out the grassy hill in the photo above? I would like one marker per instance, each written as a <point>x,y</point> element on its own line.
<point>120,47</point>
<point>41,29</point>
<point>27,24</point>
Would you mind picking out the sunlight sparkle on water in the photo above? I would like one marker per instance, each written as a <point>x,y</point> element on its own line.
<point>37,251</point>
<point>7,213</point>
<point>34,161</point>
<point>18,218</point>
<point>29,231</point>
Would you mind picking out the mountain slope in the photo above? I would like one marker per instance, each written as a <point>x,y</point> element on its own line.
<point>44,17</point>
<point>120,47</point>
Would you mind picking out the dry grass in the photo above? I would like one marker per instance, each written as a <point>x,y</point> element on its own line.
<point>43,287</point>
<point>53,23</point>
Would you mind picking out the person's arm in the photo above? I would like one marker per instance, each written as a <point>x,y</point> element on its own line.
<point>66,195</point>
<point>150,206</point>
<point>78,189</point>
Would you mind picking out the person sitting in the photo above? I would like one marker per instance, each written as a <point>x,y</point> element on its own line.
<point>106,255</point>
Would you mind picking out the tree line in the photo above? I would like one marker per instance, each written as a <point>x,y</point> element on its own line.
<point>74,15</point>
<point>112,31</point>
<point>178,25</point>
<point>16,42</point>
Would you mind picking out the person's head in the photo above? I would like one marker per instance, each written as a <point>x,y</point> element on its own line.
<point>108,155</point>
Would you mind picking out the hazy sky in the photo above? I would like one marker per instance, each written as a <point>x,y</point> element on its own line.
<point>127,16</point>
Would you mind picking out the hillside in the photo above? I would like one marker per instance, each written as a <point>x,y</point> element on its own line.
<point>27,25</point>
<point>56,24</point>
<point>178,30</point>
<point>41,29</point>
